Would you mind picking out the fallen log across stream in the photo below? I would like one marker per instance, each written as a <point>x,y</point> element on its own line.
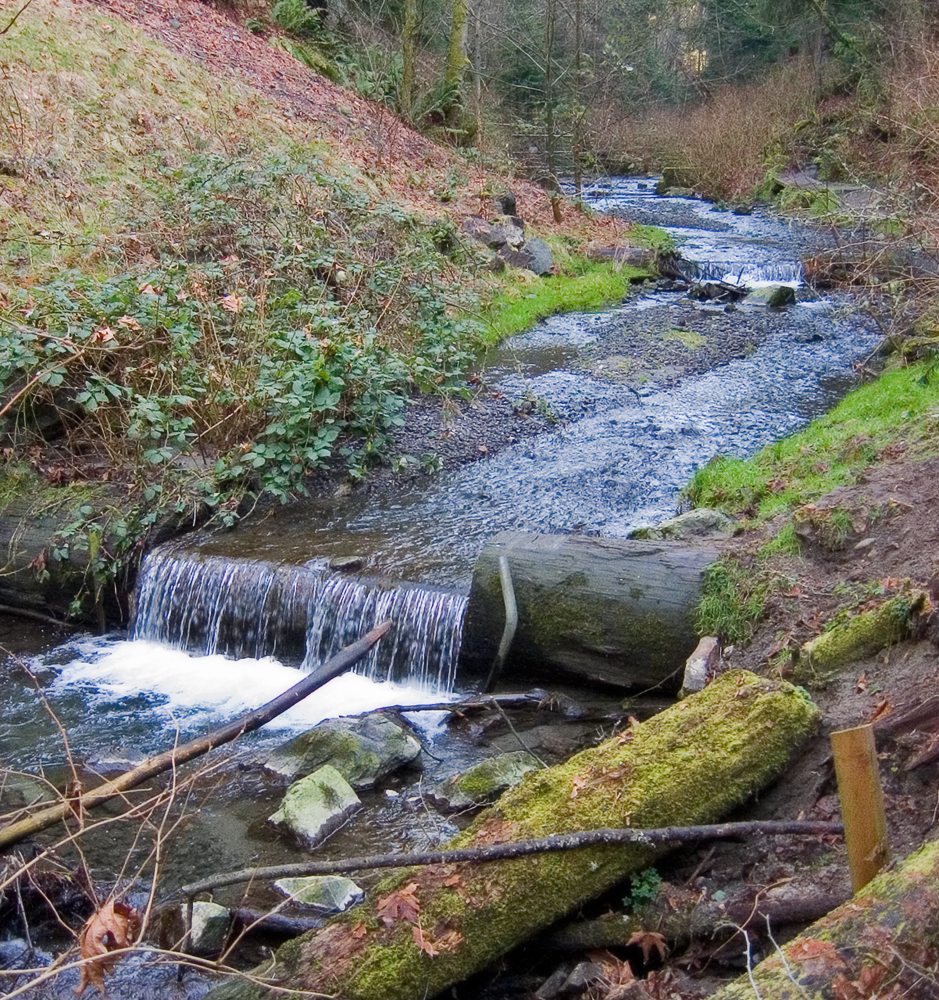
<point>169,759</point>
<point>609,610</point>
<point>423,930</point>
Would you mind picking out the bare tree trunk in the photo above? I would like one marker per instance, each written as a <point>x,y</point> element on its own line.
<point>456,61</point>
<point>408,56</point>
<point>550,25</point>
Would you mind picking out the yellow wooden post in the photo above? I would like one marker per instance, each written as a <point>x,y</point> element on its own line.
<point>862,803</point>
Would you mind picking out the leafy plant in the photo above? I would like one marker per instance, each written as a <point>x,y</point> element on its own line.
<point>644,887</point>
<point>298,18</point>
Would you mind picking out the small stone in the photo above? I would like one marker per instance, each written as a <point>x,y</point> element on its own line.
<point>347,564</point>
<point>701,665</point>
<point>327,893</point>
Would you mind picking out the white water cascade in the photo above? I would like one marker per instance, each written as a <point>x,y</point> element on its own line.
<point>298,614</point>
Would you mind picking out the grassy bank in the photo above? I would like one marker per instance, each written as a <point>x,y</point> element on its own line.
<point>208,294</point>
<point>896,414</point>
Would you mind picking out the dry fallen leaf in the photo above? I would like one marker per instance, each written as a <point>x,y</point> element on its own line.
<point>649,941</point>
<point>400,905</point>
<point>114,927</point>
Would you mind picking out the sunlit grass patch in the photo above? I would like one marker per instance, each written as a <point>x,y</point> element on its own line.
<point>590,287</point>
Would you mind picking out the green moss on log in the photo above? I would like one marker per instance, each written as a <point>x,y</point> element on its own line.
<point>875,945</point>
<point>861,636</point>
<point>690,764</point>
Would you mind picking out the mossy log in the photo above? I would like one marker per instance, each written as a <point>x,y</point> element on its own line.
<point>424,929</point>
<point>611,611</point>
<point>865,634</point>
<point>882,943</point>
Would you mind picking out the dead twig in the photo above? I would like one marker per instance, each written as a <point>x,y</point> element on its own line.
<point>521,848</point>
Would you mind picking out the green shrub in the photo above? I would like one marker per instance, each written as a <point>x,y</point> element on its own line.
<point>297,18</point>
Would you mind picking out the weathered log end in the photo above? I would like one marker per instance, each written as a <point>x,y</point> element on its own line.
<point>616,612</point>
<point>424,929</point>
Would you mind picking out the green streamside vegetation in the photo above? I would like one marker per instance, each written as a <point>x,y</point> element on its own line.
<point>899,412</point>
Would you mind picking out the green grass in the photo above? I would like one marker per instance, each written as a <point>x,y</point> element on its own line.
<point>592,287</point>
<point>901,406</point>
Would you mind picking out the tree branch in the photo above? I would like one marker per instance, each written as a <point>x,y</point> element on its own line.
<point>520,848</point>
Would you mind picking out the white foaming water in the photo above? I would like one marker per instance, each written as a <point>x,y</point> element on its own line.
<point>205,690</point>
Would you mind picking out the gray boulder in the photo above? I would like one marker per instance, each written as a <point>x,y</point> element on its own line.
<point>363,749</point>
<point>486,781</point>
<point>772,296</point>
<point>315,805</point>
<point>541,260</point>
<point>700,523</point>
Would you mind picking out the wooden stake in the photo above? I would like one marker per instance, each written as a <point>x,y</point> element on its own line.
<point>862,803</point>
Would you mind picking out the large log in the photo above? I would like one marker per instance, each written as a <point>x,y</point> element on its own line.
<point>610,611</point>
<point>882,943</point>
<point>424,929</point>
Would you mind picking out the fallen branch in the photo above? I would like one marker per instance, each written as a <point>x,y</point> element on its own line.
<point>519,849</point>
<point>170,759</point>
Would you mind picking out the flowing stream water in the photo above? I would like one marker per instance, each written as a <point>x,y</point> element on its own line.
<point>229,620</point>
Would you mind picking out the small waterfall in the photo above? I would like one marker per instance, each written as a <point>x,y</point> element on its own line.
<point>298,614</point>
<point>743,274</point>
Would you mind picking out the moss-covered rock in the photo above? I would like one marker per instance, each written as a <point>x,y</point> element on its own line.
<point>315,805</point>
<point>425,929</point>
<point>364,750</point>
<point>485,781</point>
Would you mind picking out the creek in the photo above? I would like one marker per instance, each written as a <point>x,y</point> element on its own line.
<point>640,395</point>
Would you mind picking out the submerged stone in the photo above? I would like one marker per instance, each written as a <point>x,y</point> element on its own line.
<point>329,893</point>
<point>315,805</point>
<point>486,781</point>
<point>210,926</point>
<point>363,749</point>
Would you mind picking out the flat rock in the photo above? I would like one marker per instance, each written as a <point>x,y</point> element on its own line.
<point>772,296</point>
<point>363,749</point>
<point>315,805</point>
<point>326,893</point>
<point>702,522</point>
<point>486,781</point>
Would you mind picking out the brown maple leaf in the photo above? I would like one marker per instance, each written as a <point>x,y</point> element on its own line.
<point>649,941</point>
<point>114,927</point>
<point>399,905</point>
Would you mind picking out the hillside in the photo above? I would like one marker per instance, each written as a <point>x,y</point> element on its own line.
<point>223,273</point>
